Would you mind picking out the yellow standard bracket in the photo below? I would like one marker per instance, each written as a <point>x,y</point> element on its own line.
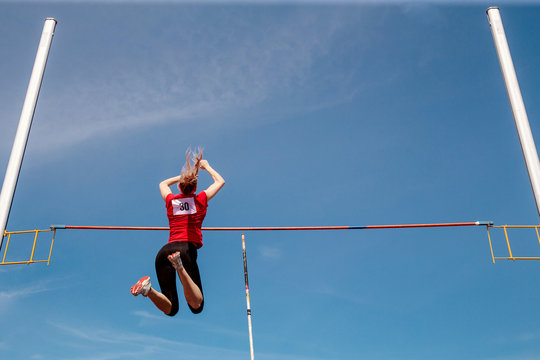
<point>36,232</point>
<point>510,255</point>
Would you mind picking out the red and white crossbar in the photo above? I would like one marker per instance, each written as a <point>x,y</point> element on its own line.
<point>282,228</point>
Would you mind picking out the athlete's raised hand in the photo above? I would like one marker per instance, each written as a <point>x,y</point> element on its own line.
<point>204,164</point>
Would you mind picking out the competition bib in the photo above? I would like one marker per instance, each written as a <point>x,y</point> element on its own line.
<point>184,206</point>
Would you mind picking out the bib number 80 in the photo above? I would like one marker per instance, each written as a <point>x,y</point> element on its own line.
<point>184,206</point>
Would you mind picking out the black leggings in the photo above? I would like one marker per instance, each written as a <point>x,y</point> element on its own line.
<point>167,274</point>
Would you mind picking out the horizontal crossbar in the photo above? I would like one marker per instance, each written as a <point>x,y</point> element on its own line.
<point>282,228</point>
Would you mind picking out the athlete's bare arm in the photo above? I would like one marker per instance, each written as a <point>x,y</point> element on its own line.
<point>218,180</point>
<point>164,186</point>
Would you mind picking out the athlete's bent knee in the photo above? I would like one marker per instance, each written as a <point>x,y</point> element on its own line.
<point>198,309</point>
<point>174,311</point>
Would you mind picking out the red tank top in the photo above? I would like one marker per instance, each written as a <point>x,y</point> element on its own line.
<point>186,214</point>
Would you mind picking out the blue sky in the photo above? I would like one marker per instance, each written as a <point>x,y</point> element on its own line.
<point>316,113</point>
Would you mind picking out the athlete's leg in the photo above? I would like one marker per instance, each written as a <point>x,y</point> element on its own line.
<point>192,291</point>
<point>167,300</point>
<point>160,300</point>
<point>144,287</point>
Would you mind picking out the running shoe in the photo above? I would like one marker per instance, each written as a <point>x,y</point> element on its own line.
<point>142,286</point>
<point>175,260</point>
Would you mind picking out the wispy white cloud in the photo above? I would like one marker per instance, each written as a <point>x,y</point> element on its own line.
<point>118,343</point>
<point>10,297</point>
<point>108,344</point>
<point>270,253</point>
<point>147,315</point>
<point>215,329</point>
<point>528,336</point>
<point>188,78</point>
<point>15,294</point>
<point>192,72</point>
<point>328,290</point>
<point>100,336</point>
<point>200,326</point>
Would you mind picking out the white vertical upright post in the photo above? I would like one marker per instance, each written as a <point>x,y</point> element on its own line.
<point>247,299</point>
<point>516,102</point>
<point>25,122</point>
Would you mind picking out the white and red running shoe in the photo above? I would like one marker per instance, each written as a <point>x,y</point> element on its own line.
<point>142,286</point>
<point>175,260</point>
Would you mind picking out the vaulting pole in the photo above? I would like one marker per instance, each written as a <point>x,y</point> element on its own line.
<point>247,299</point>
<point>25,122</point>
<point>516,102</point>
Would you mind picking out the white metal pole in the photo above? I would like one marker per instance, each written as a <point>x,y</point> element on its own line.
<point>516,102</point>
<point>25,122</point>
<point>252,353</point>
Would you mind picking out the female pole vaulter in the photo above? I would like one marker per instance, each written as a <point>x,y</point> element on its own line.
<point>186,212</point>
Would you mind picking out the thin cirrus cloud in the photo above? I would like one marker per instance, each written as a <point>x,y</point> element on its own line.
<point>114,342</point>
<point>270,253</point>
<point>201,326</point>
<point>23,292</point>
<point>9,297</point>
<point>185,79</point>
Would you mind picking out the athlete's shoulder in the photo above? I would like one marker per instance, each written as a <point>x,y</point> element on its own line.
<point>202,197</point>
